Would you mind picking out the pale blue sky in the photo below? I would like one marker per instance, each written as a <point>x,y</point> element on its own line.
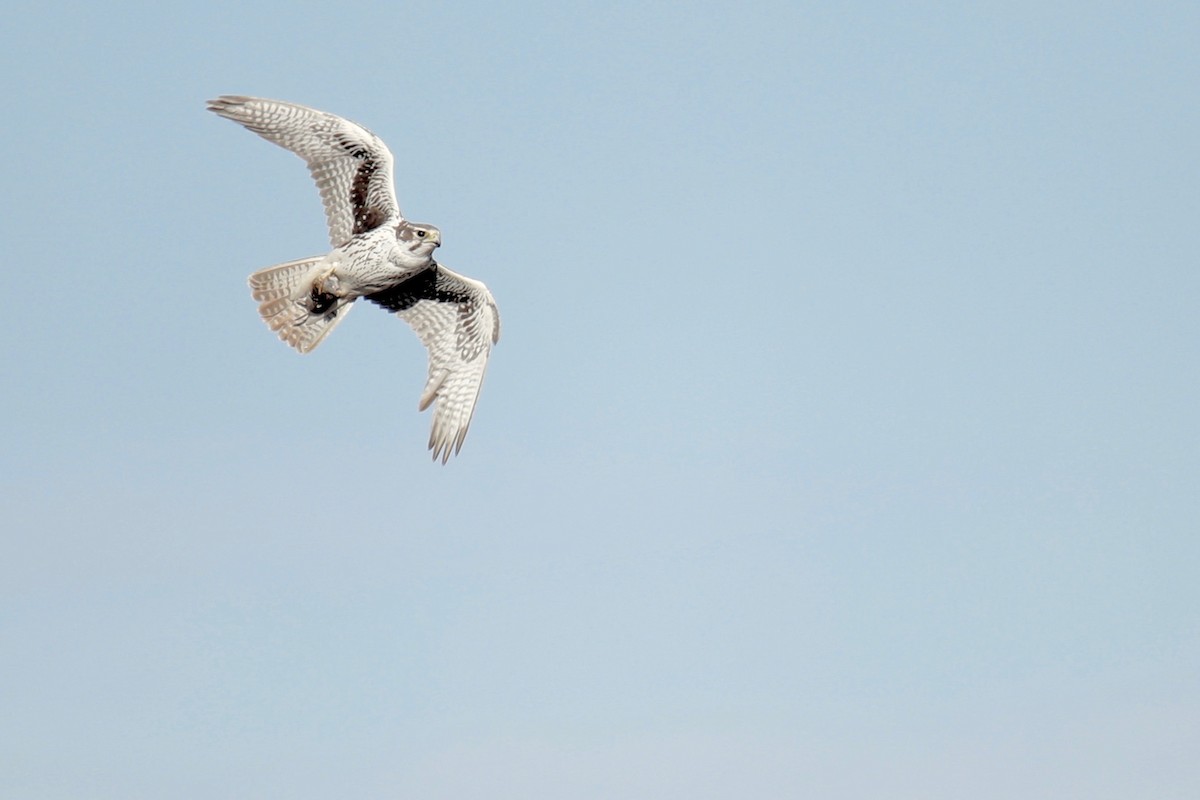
<point>842,441</point>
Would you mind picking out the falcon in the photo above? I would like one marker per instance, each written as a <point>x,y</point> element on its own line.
<point>378,255</point>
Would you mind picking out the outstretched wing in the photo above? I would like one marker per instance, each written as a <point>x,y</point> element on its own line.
<point>457,321</point>
<point>351,165</point>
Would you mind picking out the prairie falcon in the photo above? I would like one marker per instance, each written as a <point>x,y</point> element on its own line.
<point>377,254</point>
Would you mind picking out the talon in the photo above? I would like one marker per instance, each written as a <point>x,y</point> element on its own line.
<point>326,281</point>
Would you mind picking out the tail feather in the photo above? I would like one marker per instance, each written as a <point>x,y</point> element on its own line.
<point>284,295</point>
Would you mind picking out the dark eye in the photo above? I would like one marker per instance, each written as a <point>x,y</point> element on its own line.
<point>420,234</point>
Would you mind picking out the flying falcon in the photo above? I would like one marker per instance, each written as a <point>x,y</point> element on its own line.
<point>377,254</point>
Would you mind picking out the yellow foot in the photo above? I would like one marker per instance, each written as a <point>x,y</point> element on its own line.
<point>326,282</point>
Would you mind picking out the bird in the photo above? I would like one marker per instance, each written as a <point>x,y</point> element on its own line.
<point>377,255</point>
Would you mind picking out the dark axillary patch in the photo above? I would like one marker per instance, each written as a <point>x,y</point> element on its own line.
<point>366,218</point>
<point>425,285</point>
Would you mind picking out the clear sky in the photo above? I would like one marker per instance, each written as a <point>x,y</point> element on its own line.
<point>842,441</point>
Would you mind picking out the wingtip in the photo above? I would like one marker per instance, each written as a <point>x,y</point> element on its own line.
<point>219,105</point>
<point>440,453</point>
<point>442,445</point>
<point>223,104</point>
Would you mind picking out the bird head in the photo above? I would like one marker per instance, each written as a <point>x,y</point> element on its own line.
<point>418,239</point>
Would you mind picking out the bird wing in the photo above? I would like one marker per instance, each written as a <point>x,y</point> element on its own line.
<point>456,319</point>
<point>351,165</point>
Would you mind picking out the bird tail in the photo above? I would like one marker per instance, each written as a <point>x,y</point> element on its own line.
<point>291,308</point>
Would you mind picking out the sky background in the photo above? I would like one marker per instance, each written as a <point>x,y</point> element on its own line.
<point>842,440</point>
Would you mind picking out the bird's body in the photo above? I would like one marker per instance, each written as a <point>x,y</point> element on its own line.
<point>377,254</point>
